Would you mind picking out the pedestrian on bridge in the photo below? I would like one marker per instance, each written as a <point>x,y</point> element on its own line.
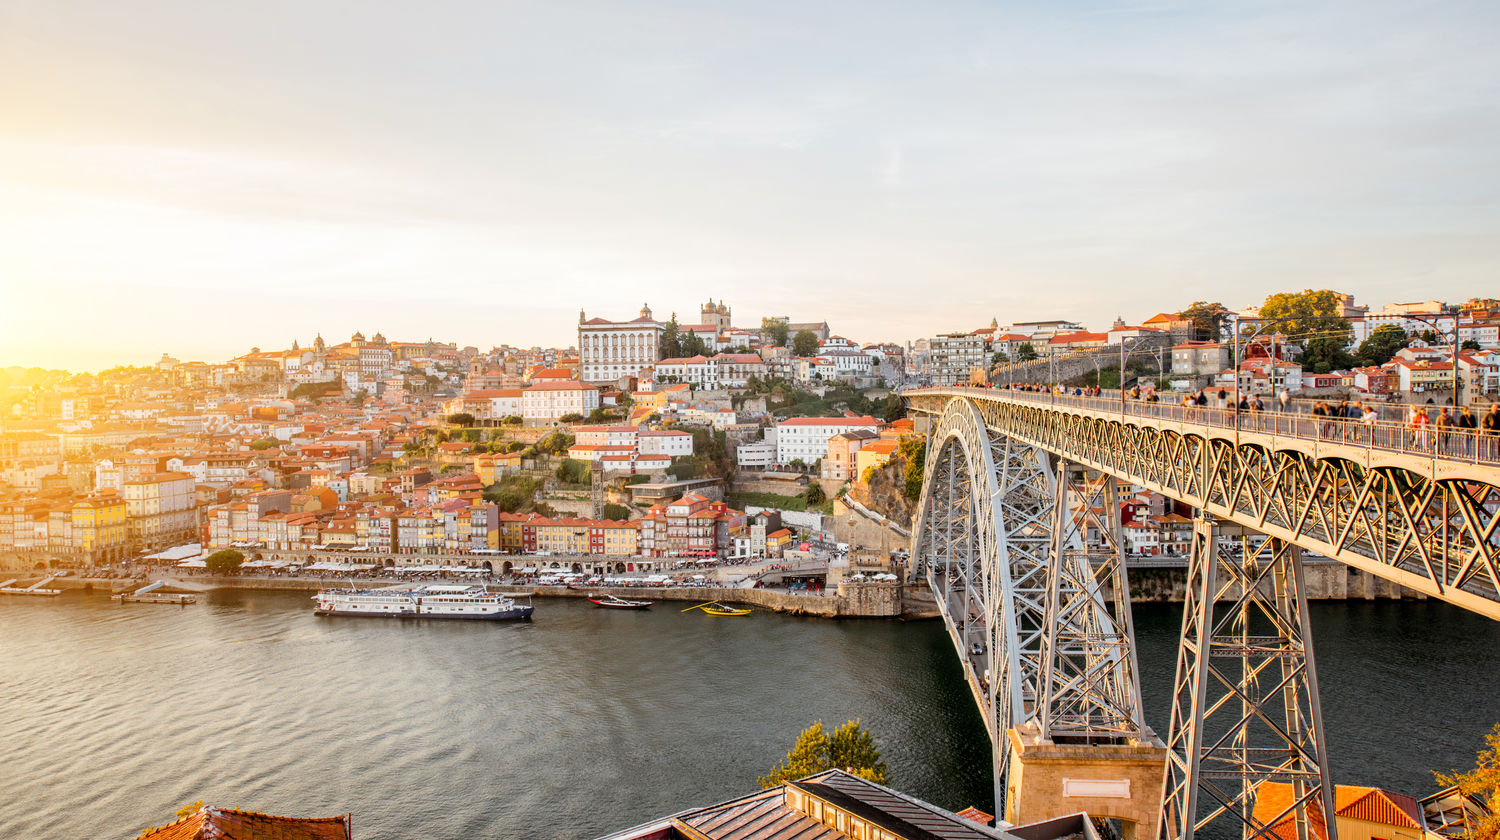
<point>1444,425</point>
<point>1466,423</point>
<point>1489,425</point>
<point>1419,423</point>
<point>1320,413</point>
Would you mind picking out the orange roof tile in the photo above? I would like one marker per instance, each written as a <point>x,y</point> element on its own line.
<point>228,824</point>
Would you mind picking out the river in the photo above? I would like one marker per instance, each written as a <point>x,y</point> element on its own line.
<point>583,721</point>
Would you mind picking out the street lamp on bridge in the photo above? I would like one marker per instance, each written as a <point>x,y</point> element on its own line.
<point>1438,329</point>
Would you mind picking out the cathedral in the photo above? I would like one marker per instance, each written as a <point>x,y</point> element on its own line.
<point>715,315</point>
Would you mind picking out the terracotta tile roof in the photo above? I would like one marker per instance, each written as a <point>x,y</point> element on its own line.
<point>1076,337</point>
<point>1370,804</point>
<point>230,824</point>
<point>830,421</point>
<point>561,385</point>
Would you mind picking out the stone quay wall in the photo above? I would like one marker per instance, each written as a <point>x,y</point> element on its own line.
<point>853,599</point>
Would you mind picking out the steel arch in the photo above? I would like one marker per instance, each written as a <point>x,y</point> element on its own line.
<point>982,535</point>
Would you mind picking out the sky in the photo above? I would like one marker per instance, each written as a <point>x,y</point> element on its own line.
<point>200,178</point>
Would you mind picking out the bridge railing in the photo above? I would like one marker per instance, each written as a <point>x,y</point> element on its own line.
<point>1448,442</point>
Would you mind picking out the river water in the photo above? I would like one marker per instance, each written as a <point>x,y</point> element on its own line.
<point>583,721</point>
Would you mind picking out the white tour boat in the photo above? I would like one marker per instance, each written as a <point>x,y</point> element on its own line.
<point>431,601</point>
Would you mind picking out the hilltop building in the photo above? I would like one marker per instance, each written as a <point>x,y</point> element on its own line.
<point>610,351</point>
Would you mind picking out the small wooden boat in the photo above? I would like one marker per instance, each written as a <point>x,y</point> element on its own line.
<point>617,603</point>
<point>718,608</point>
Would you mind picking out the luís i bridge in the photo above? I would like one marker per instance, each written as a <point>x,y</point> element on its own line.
<point>1019,534</point>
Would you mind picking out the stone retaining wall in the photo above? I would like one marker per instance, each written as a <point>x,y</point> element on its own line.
<point>854,599</point>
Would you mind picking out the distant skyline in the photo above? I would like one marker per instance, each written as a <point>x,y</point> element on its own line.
<point>202,178</point>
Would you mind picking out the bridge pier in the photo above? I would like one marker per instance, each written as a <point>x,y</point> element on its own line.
<point>1113,781</point>
<point>1245,706</point>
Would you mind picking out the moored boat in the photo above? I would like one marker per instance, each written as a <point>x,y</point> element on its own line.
<point>719,608</point>
<point>722,609</point>
<point>432,601</point>
<point>614,602</point>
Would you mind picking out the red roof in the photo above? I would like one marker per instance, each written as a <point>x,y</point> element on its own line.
<point>830,421</point>
<point>1076,337</point>
<point>1353,801</point>
<point>225,823</point>
<point>561,385</point>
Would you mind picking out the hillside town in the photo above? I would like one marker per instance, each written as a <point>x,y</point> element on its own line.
<point>646,445</point>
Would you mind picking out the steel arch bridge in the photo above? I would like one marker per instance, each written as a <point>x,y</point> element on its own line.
<point>1018,532</point>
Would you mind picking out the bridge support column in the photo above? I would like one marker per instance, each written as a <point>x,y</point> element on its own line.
<point>1245,707</point>
<point>1088,747</point>
<point>1120,781</point>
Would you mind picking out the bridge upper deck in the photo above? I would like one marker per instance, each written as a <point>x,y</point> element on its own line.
<point>1419,506</point>
<point>1434,452</point>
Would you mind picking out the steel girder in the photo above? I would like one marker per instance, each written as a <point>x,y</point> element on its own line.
<point>1245,708</point>
<point>1434,535</point>
<point>983,534</point>
<point>1091,691</point>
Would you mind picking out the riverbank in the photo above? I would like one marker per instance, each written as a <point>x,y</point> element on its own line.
<point>852,600</point>
<point>1326,580</point>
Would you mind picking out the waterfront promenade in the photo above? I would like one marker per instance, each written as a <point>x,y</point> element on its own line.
<point>853,599</point>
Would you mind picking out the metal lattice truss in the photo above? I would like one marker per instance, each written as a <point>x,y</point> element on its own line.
<point>1245,701</point>
<point>1090,685</point>
<point>1430,525</point>
<point>1037,638</point>
<point>982,534</point>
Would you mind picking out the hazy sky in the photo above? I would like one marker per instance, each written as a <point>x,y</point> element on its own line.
<point>200,177</point>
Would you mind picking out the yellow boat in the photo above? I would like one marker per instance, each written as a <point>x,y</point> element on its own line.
<point>716,608</point>
<point>725,611</point>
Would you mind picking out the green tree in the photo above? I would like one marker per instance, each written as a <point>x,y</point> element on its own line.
<point>999,358</point>
<point>618,513</point>
<point>1382,345</point>
<point>1025,352</point>
<point>511,420</point>
<point>462,418</point>
<point>572,471</point>
<point>265,443</point>
<point>1483,784</point>
<point>1325,353</point>
<point>571,417</point>
<point>1468,344</point>
<point>692,345</point>
<point>773,331</point>
<point>515,494</point>
<point>814,494</point>
<point>894,409</point>
<point>671,340</point>
<point>1208,319</point>
<point>683,467</point>
<point>850,748</point>
<point>805,343</point>
<point>913,451</point>
<point>1309,314</point>
<point>556,443</point>
<point>224,561</point>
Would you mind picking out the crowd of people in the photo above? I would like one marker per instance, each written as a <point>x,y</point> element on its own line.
<point>1460,432</point>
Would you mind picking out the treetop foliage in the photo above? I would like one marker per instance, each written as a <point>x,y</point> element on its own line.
<point>1481,783</point>
<point>850,748</point>
<point>805,343</point>
<point>223,561</point>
